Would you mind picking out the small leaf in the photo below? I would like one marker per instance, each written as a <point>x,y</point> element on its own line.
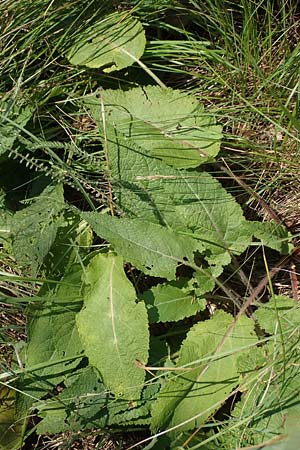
<point>81,405</point>
<point>153,249</point>
<point>279,309</point>
<point>72,243</point>
<point>196,393</point>
<point>114,43</point>
<point>272,235</point>
<point>203,282</point>
<point>169,302</point>
<point>33,229</point>
<point>122,412</point>
<point>11,129</point>
<point>113,327</point>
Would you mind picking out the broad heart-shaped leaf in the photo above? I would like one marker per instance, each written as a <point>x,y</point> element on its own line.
<point>81,405</point>
<point>33,229</point>
<point>196,393</point>
<point>113,327</point>
<point>113,43</point>
<point>170,124</point>
<point>53,341</point>
<point>152,248</point>
<point>170,302</point>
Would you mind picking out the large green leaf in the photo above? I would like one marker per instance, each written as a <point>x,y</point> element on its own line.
<point>185,201</point>
<point>170,302</point>
<point>194,394</point>
<point>53,340</point>
<point>113,327</point>
<point>169,123</point>
<point>33,229</point>
<point>146,187</point>
<point>115,42</point>
<point>152,248</point>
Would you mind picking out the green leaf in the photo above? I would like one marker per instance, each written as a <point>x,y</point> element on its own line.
<point>168,123</point>
<point>196,393</point>
<point>272,235</point>
<point>153,249</point>
<point>124,412</point>
<point>72,243</point>
<point>260,420</point>
<point>33,229</point>
<point>201,283</point>
<point>115,42</point>
<point>280,310</point>
<point>53,340</point>
<point>113,327</point>
<point>81,405</point>
<point>189,202</point>
<point>290,436</point>
<point>262,413</point>
<point>169,302</point>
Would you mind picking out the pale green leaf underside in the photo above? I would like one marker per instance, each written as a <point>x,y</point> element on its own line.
<point>168,123</point>
<point>113,43</point>
<point>152,248</point>
<point>113,327</point>
<point>192,395</point>
<point>169,302</point>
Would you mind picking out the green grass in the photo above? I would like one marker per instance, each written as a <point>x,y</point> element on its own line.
<point>241,60</point>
